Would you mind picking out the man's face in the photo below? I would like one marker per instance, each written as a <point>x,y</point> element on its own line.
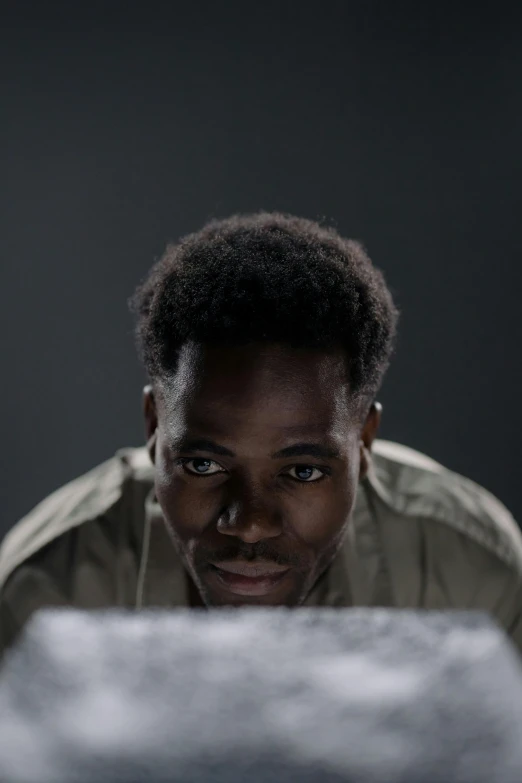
<point>257,462</point>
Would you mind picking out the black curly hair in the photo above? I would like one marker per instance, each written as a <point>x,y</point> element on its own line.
<point>267,277</point>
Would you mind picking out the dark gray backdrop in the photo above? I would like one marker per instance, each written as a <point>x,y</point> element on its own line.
<point>125,127</point>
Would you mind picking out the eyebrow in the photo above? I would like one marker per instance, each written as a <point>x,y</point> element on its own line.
<point>317,450</point>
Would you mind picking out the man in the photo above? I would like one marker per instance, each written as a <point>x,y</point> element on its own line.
<point>265,339</point>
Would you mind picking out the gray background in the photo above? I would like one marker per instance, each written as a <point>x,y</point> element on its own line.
<point>126,125</point>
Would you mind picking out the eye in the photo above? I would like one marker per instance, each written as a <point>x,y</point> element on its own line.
<point>305,473</point>
<point>201,466</point>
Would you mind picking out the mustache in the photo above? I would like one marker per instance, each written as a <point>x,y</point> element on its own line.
<point>262,550</point>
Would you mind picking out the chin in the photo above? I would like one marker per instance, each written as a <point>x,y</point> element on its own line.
<point>250,602</point>
<point>213,600</point>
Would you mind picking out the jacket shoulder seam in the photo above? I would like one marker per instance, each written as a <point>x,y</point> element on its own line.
<point>51,518</point>
<point>491,526</point>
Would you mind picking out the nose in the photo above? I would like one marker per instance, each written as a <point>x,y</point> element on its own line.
<point>251,519</point>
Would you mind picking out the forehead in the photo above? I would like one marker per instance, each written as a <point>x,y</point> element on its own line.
<point>256,386</point>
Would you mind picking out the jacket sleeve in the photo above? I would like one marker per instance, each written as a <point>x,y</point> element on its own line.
<point>506,606</point>
<point>460,572</point>
<point>27,590</point>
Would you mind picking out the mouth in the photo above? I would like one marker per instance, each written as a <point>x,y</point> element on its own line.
<point>244,578</point>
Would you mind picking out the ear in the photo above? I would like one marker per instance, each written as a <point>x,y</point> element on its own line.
<point>369,431</point>
<point>151,420</point>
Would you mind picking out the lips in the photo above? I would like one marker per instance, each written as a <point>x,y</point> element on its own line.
<point>249,578</point>
<point>251,569</point>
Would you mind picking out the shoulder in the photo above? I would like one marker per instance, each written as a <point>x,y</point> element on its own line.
<point>81,500</point>
<point>416,486</point>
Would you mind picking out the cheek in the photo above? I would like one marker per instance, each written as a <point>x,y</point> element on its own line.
<point>321,517</point>
<point>187,508</point>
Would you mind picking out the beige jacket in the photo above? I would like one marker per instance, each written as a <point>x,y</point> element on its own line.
<point>422,536</point>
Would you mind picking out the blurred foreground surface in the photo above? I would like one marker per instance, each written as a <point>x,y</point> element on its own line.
<point>360,695</point>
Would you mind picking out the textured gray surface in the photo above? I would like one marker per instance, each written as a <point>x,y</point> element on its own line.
<point>367,696</point>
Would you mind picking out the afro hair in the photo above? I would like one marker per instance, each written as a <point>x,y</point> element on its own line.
<point>267,277</point>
